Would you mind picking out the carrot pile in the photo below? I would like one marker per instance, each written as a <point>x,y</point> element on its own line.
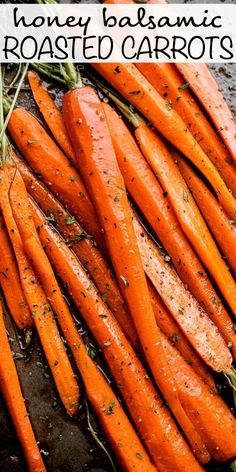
<point>159,300</point>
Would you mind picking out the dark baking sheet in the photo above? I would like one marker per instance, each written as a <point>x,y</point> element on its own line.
<point>67,444</point>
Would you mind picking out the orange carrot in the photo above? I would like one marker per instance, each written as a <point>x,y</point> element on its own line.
<point>188,213</point>
<point>51,114</point>
<point>89,256</point>
<point>120,433</point>
<point>155,205</point>
<point>212,418</point>
<point>172,331</point>
<point>10,387</point>
<point>57,213</point>
<point>119,428</point>
<point>184,308</point>
<point>207,91</point>
<point>166,79</point>
<point>41,311</point>
<point>221,227</point>
<point>52,242</point>
<point>10,282</point>
<point>134,87</point>
<point>85,120</point>
<point>47,160</point>
<point>155,425</point>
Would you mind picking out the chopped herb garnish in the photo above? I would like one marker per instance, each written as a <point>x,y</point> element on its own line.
<point>116,198</point>
<point>73,178</point>
<point>185,195</point>
<point>39,175</point>
<point>138,455</point>
<point>70,220</point>
<point>23,303</point>
<point>43,418</point>
<point>124,280</point>
<point>181,310</point>
<point>50,218</point>
<point>216,301</point>
<point>104,297</point>
<point>92,351</point>
<point>103,315</point>
<point>109,410</point>
<point>83,235</point>
<point>175,337</point>
<point>117,69</point>
<point>18,355</point>
<point>47,309</point>
<point>183,87</point>
<point>135,92</point>
<point>169,105</point>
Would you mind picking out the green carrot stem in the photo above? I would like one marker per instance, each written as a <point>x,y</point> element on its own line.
<point>71,76</point>
<point>65,74</point>
<point>50,72</point>
<point>15,78</point>
<point>231,377</point>
<point>233,465</point>
<point>4,127</point>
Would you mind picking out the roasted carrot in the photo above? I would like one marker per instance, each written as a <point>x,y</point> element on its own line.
<point>89,132</point>
<point>58,215</point>
<point>21,211</point>
<point>81,243</point>
<point>207,91</point>
<point>50,240</point>
<point>221,227</point>
<point>172,331</point>
<point>47,159</point>
<point>155,205</point>
<point>155,425</point>
<point>10,282</point>
<point>51,114</point>
<point>212,418</point>
<point>188,213</point>
<point>166,79</point>
<point>11,390</point>
<point>40,309</point>
<point>101,395</point>
<point>198,328</point>
<point>120,433</point>
<point>129,81</point>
